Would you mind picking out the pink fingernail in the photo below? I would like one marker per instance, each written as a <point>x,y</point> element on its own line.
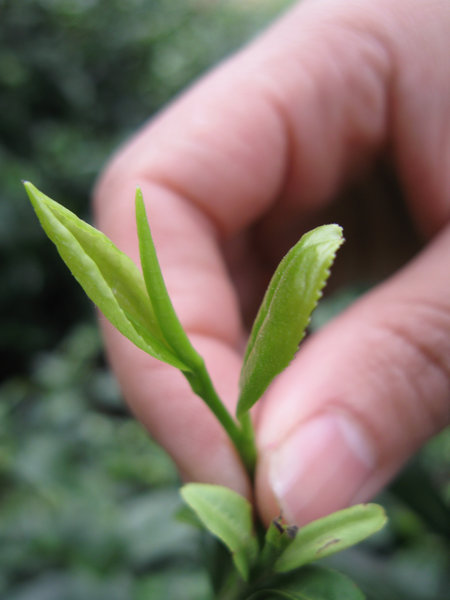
<point>320,467</point>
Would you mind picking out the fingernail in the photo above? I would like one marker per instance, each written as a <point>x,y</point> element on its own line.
<point>320,467</point>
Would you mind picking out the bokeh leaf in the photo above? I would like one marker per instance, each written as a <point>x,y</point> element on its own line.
<point>280,324</point>
<point>331,534</point>
<point>107,275</point>
<point>228,516</point>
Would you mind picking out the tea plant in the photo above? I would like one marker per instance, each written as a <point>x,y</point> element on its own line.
<point>260,564</point>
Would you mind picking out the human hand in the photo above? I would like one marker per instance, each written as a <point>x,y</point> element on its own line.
<point>254,153</point>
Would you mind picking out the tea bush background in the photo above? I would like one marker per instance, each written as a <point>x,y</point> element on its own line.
<point>87,500</point>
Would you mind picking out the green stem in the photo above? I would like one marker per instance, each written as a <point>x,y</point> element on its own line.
<point>241,436</point>
<point>248,444</point>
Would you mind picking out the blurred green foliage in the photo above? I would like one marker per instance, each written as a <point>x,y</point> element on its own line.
<point>86,499</point>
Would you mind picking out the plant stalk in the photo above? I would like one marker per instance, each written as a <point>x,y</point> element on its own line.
<point>242,434</point>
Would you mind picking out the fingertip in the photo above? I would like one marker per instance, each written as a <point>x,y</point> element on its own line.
<point>268,505</point>
<point>320,466</point>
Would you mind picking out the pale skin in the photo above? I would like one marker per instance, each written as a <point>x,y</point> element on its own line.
<point>248,158</point>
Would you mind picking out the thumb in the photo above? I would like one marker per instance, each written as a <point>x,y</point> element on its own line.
<point>361,396</point>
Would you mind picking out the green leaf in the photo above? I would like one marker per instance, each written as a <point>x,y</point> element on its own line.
<point>228,516</point>
<point>280,324</point>
<point>157,291</point>
<point>311,583</point>
<point>176,337</point>
<point>278,537</point>
<point>331,534</point>
<point>187,516</point>
<point>107,275</point>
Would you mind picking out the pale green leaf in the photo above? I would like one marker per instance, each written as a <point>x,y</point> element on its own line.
<point>157,292</point>
<point>107,275</point>
<point>331,534</point>
<point>228,516</point>
<point>311,583</point>
<point>280,325</point>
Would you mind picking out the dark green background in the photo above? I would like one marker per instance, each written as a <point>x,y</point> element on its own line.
<point>86,499</point>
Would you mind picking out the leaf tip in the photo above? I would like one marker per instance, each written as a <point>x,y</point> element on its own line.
<point>29,187</point>
<point>34,195</point>
<point>139,196</point>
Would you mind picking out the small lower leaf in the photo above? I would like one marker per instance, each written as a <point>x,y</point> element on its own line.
<point>331,534</point>
<point>228,516</point>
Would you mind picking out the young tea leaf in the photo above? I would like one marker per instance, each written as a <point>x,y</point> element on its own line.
<point>228,516</point>
<point>292,295</point>
<point>278,537</point>
<point>331,534</point>
<point>107,275</point>
<point>157,291</point>
<point>311,583</point>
